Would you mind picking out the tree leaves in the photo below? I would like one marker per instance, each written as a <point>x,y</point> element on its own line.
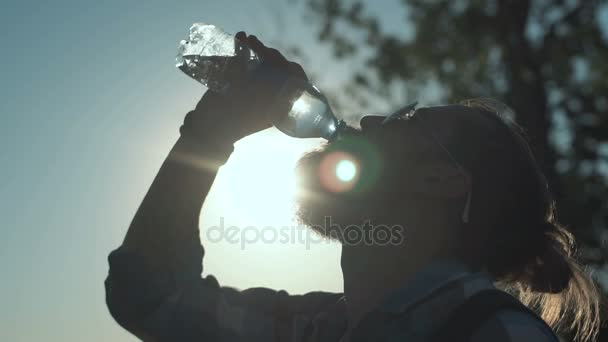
<point>542,57</point>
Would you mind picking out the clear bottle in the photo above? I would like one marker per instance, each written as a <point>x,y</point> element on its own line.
<point>216,59</point>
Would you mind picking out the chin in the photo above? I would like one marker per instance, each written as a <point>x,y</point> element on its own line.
<point>313,202</point>
<point>323,204</point>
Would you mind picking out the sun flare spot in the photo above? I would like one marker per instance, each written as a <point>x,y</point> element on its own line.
<point>346,170</point>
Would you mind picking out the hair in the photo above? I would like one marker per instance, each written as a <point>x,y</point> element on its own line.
<point>526,250</point>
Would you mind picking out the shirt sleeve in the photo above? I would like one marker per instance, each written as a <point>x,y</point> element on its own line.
<point>512,326</point>
<point>169,306</point>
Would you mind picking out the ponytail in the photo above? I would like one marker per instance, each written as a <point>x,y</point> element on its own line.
<point>559,290</point>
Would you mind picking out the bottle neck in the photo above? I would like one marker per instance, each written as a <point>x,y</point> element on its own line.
<point>342,130</point>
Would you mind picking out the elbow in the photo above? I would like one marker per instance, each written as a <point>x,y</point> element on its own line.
<point>120,307</point>
<point>133,293</point>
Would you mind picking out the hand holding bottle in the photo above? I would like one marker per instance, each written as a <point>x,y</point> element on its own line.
<point>249,103</point>
<point>257,84</point>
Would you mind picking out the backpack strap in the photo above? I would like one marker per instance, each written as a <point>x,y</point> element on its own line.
<point>466,318</point>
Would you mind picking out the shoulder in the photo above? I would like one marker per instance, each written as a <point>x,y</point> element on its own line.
<point>511,325</point>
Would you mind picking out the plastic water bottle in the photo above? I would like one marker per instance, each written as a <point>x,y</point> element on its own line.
<point>217,60</point>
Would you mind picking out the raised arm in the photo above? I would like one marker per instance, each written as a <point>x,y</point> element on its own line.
<point>154,288</point>
<point>167,220</point>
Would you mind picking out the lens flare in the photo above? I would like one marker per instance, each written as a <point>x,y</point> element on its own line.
<point>338,171</point>
<point>346,170</point>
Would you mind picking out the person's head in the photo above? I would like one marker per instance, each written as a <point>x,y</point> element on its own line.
<point>463,182</point>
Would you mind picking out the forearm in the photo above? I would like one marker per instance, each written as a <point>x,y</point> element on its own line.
<point>167,219</point>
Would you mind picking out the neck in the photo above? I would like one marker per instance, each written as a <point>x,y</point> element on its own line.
<point>372,273</point>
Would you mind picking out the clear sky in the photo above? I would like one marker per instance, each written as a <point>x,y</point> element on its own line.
<point>91,103</point>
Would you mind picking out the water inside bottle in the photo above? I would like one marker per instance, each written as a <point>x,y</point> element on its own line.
<point>310,117</point>
<point>213,57</point>
<point>215,72</point>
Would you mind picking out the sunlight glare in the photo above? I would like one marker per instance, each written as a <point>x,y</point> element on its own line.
<point>258,181</point>
<point>346,170</point>
<point>256,189</point>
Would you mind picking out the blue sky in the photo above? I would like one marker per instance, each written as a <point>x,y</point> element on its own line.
<point>91,103</point>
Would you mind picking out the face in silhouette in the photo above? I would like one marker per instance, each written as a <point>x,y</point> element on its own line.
<point>384,176</point>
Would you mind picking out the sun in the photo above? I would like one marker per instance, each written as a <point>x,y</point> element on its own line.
<point>258,181</point>
<point>256,189</point>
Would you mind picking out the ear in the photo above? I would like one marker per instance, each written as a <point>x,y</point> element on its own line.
<point>438,179</point>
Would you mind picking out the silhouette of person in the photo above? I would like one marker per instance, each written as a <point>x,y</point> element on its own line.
<point>451,197</point>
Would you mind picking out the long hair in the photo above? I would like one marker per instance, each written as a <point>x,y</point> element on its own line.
<point>526,250</point>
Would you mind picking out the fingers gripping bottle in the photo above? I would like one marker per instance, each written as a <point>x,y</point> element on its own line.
<point>217,59</point>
